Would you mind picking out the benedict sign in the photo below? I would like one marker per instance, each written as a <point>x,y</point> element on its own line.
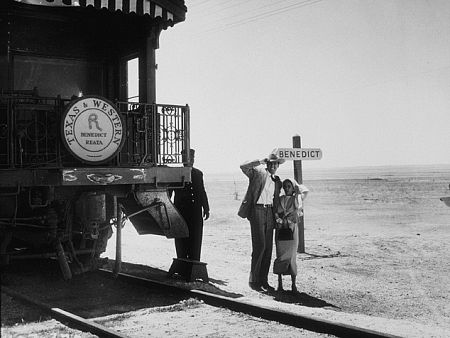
<point>92,129</point>
<point>298,154</point>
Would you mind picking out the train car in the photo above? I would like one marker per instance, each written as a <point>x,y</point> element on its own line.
<point>83,142</point>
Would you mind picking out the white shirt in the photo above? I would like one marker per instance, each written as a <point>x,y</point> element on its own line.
<point>266,196</point>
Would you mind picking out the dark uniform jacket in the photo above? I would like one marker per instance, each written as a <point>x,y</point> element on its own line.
<point>191,201</point>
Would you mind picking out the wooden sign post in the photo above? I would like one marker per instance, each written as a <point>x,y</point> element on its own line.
<point>298,176</point>
<point>298,154</point>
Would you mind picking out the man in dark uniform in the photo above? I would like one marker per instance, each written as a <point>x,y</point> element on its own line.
<point>192,203</point>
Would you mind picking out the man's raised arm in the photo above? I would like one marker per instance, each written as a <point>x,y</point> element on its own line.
<point>248,167</point>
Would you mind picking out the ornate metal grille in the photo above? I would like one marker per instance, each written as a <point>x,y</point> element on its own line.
<point>173,122</point>
<point>29,130</point>
<point>30,133</point>
<point>156,133</point>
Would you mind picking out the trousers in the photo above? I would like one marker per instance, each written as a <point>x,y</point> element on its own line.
<point>191,246</point>
<point>262,223</point>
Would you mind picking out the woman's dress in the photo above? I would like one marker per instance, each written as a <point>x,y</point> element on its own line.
<point>286,261</point>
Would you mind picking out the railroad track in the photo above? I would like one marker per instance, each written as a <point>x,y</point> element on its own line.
<point>67,318</point>
<point>283,317</point>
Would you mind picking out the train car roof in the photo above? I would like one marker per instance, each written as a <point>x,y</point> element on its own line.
<point>169,11</point>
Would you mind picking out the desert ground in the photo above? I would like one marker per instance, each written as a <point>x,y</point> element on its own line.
<point>376,252</point>
<point>376,256</point>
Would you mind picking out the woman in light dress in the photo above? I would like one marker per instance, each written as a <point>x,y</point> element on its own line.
<point>287,216</point>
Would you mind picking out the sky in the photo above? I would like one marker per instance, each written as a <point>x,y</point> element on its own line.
<point>367,82</point>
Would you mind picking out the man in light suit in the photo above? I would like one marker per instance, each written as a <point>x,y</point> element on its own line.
<point>262,193</point>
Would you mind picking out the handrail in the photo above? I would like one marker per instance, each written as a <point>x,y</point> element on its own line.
<point>156,133</point>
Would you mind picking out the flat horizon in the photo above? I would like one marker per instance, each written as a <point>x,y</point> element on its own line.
<point>282,169</point>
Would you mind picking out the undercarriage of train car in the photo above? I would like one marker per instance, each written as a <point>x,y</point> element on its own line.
<point>51,206</point>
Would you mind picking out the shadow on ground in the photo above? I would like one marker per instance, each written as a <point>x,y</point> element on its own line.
<point>324,253</point>
<point>88,295</point>
<point>300,298</point>
<point>176,280</point>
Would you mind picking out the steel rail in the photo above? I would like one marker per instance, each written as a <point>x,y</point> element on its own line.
<point>66,318</point>
<point>284,317</point>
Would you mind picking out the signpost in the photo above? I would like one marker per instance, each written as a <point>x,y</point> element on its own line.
<point>297,154</point>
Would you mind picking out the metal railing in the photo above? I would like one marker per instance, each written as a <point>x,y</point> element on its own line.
<point>30,130</point>
<point>156,133</point>
<point>30,133</point>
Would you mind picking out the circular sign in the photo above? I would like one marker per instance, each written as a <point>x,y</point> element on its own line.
<point>92,129</point>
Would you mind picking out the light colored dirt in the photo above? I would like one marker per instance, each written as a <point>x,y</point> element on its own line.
<point>376,257</point>
<point>377,251</point>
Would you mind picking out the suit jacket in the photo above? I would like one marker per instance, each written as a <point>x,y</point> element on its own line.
<point>192,198</point>
<point>257,178</point>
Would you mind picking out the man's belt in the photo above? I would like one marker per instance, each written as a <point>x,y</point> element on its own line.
<point>264,205</point>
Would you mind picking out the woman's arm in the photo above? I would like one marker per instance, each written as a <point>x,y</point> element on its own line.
<point>278,221</point>
<point>301,190</point>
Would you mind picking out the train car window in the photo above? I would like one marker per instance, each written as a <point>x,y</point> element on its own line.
<point>133,80</point>
<point>52,76</point>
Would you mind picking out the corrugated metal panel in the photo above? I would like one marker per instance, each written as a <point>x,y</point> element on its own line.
<point>140,7</point>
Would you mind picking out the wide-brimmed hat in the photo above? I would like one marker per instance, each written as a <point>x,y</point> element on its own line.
<point>274,158</point>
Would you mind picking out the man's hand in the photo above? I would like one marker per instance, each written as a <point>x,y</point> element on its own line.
<point>205,214</point>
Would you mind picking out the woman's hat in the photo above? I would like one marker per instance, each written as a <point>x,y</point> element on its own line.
<point>274,158</point>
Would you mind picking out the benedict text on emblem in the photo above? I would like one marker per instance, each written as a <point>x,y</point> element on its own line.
<point>92,129</point>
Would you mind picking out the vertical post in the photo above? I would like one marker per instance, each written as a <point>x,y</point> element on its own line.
<point>297,143</point>
<point>152,44</point>
<point>62,260</point>
<point>118,262</point>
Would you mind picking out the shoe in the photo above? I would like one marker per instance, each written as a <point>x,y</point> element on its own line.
<point>255,286</point>
<point>267,287</point>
